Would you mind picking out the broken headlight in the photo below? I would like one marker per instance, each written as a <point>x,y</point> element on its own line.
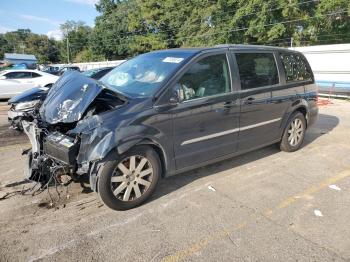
<point>26,105</point>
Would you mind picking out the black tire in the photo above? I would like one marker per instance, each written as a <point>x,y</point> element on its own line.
<point>290,133</point>
<point>111,169</point>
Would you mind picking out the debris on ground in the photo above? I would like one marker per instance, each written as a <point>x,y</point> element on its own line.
<point>211,188</point>
<point>318,213</point>
<point>334,187</point>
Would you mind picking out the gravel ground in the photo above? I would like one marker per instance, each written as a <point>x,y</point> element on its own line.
<point>266,205</point>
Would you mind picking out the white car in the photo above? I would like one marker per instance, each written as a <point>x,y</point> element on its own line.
<point>13,82</point>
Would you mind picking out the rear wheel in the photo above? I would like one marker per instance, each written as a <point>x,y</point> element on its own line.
<point>128,182</point>
<point>294,134</point>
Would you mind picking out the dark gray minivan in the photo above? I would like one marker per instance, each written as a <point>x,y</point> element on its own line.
<point>169,111</point>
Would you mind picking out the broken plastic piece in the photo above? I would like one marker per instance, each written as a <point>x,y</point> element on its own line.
<point>211,188</point>
<point>335,187</point>
<point>318,213</point>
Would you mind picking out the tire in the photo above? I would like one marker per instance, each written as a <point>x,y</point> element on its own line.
<point>131,179</point>
<point>294,133</point>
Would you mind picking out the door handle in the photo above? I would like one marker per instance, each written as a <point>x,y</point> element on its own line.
<point>249,100</point>
<point>229,104</point>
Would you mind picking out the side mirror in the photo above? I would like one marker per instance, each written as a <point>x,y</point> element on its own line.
<point>175,98</point>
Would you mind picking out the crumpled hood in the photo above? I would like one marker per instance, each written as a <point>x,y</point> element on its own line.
<point>69,98</point>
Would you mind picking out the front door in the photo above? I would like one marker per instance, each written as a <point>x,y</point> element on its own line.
<point>206,121</point>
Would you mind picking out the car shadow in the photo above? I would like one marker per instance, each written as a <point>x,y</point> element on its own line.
<point>324,125</point>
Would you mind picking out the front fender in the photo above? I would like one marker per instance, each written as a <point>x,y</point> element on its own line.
<point>97,144</point>
<point>118,150</point>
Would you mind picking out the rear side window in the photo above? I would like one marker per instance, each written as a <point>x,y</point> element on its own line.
<point>296,68</point>
<point>207,77</point>
<point>18,75</point>
<point>257,70</point>
<point>35,75</point>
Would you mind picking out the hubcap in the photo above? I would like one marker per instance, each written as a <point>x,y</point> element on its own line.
<point>131,178</point>
<point>295,132</point>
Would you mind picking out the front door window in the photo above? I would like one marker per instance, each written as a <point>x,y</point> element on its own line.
<point>207,77</point>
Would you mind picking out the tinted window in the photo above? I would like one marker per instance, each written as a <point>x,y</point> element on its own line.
<point>18,75</point>
<point>35,75</point>
<point>207,77</point>
<point>257,69</point>
<point>295,67</point>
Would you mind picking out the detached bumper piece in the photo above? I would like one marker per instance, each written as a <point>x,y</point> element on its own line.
<point>14,118</point>
<point>62,148</point>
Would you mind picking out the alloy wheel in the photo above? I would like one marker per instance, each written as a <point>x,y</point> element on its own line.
<point>295,132</point>
<point>131,178</point>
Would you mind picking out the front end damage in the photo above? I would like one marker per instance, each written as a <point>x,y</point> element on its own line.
<point>72,131</point>
<point>52,156</point>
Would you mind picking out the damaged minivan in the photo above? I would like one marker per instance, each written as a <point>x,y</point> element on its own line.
<point>167,112</point>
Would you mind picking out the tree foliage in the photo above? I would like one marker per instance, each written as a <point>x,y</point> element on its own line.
<point>135,26</point>
<point>78,36</point>
<point>24,41</point>
<point>125,28</point>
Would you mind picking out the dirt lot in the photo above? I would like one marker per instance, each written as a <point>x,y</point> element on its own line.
<point>263,206</point>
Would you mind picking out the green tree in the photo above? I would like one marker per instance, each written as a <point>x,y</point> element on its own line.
<point>46,50</point>
<point>4,46</point>
<point>130,27</point>
<point>87,55</point>
<point>332,24</point>
<point>78,35</point>
<point>24,41</point>
<point>111,37</point>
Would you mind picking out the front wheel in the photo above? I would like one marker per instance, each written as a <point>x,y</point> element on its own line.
<point>294,134</point>
<point>129,181</point>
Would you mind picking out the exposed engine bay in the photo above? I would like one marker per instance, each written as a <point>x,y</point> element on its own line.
<point>73,107</point>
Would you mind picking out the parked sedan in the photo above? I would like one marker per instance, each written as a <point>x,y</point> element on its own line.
<point>13,82</point>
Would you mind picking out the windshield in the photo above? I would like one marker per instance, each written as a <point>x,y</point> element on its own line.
<point>143,75</point>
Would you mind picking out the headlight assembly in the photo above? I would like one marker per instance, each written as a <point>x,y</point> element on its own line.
<point>26,105</point>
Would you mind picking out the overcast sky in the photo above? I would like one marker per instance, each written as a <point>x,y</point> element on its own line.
<point>44,16</point>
